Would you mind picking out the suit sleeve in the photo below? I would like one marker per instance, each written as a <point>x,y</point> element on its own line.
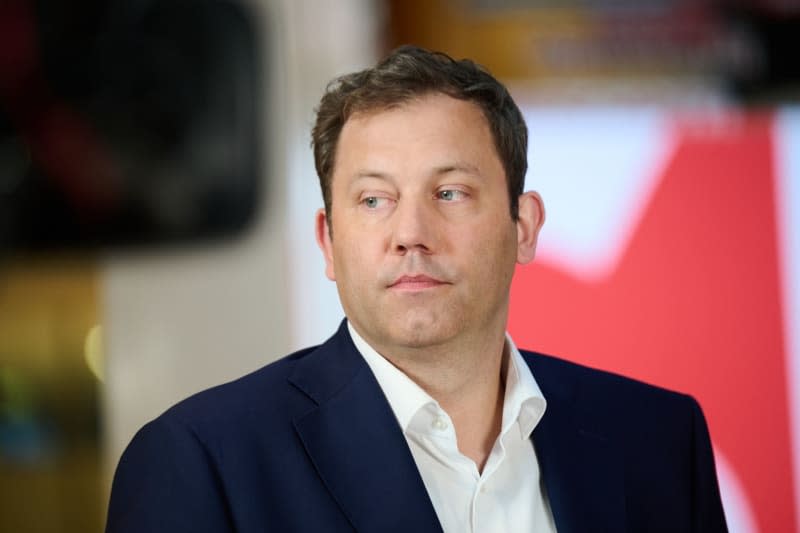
<point>707,512</point>
<point>166,482</point>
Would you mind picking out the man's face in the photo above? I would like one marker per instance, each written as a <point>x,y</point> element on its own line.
<point>423,246</point>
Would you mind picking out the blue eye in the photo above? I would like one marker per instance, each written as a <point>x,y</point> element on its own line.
<point>449,195</point>
<point>374,202</point>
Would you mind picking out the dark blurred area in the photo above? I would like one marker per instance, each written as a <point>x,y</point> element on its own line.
<point>126,122</point>
<point>773,31</point>
<point>742,53</point>
<point>123,123</point>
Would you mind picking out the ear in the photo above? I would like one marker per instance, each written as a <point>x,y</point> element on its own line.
<point>323,234</point>
<point>531,218</point>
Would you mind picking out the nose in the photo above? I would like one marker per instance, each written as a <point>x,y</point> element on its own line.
<point>414,228</point>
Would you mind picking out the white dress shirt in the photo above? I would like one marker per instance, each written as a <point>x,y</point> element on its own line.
<point>507,495</point>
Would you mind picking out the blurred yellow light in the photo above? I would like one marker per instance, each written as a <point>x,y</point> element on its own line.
<point>93,352</point>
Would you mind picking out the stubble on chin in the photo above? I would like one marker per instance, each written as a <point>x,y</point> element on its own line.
<point>430,325</point>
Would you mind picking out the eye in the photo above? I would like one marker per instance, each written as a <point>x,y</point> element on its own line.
<point>373,202</point>
<point>450,195</point>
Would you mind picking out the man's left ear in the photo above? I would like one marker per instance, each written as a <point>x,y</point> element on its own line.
<point>531,218</point>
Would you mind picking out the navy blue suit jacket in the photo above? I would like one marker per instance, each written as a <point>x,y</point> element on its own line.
<point>309,443</point>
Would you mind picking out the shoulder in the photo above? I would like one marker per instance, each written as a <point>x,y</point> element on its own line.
<point>266,402</point>
<point>650,433</point>
<point>643,420</point>
<point>262,397</point>
<point>592,390</point>
<point>189,467</point>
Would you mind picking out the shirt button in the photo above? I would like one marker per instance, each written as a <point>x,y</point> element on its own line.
<point>439,423</point>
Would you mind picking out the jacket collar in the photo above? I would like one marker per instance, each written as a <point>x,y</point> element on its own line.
<point>581,466</point>
<point>356,444</point>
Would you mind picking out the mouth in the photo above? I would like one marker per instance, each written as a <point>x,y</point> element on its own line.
<point>417,282</point>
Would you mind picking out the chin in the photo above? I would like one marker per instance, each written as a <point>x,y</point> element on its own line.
<point>422,333</point>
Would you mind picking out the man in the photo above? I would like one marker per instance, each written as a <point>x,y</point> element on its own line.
<point>420,414</point>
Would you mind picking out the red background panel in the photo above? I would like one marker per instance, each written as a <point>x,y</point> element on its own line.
<point>694,303</point>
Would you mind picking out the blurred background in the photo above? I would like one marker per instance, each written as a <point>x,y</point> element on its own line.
<point>157,194</point>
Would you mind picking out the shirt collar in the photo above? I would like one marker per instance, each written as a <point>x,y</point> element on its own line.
<point>523,401</point>
<point>405,397</point>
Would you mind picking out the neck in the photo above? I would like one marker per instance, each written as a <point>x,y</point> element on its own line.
<point>467,379</point>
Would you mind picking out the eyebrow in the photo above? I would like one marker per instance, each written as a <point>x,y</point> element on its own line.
<point>372,174</point>
<point>466,168</point>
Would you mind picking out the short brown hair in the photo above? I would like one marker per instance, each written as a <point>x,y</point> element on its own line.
<point>409,72</point>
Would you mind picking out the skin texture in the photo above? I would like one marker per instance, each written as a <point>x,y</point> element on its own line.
<point>423,249</point>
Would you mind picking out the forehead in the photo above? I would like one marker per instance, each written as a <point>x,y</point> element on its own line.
<point>431,130</point>
<point>429,107</point>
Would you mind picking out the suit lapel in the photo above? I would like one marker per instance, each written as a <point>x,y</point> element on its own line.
<point>356,445</point>
<point>581,468</point>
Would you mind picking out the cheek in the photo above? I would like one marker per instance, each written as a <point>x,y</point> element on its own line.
<point>352,260</point>
<point>493,254</point>
<point>491,236</point>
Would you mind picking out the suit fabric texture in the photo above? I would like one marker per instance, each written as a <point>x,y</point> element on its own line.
<point>310,444</point>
